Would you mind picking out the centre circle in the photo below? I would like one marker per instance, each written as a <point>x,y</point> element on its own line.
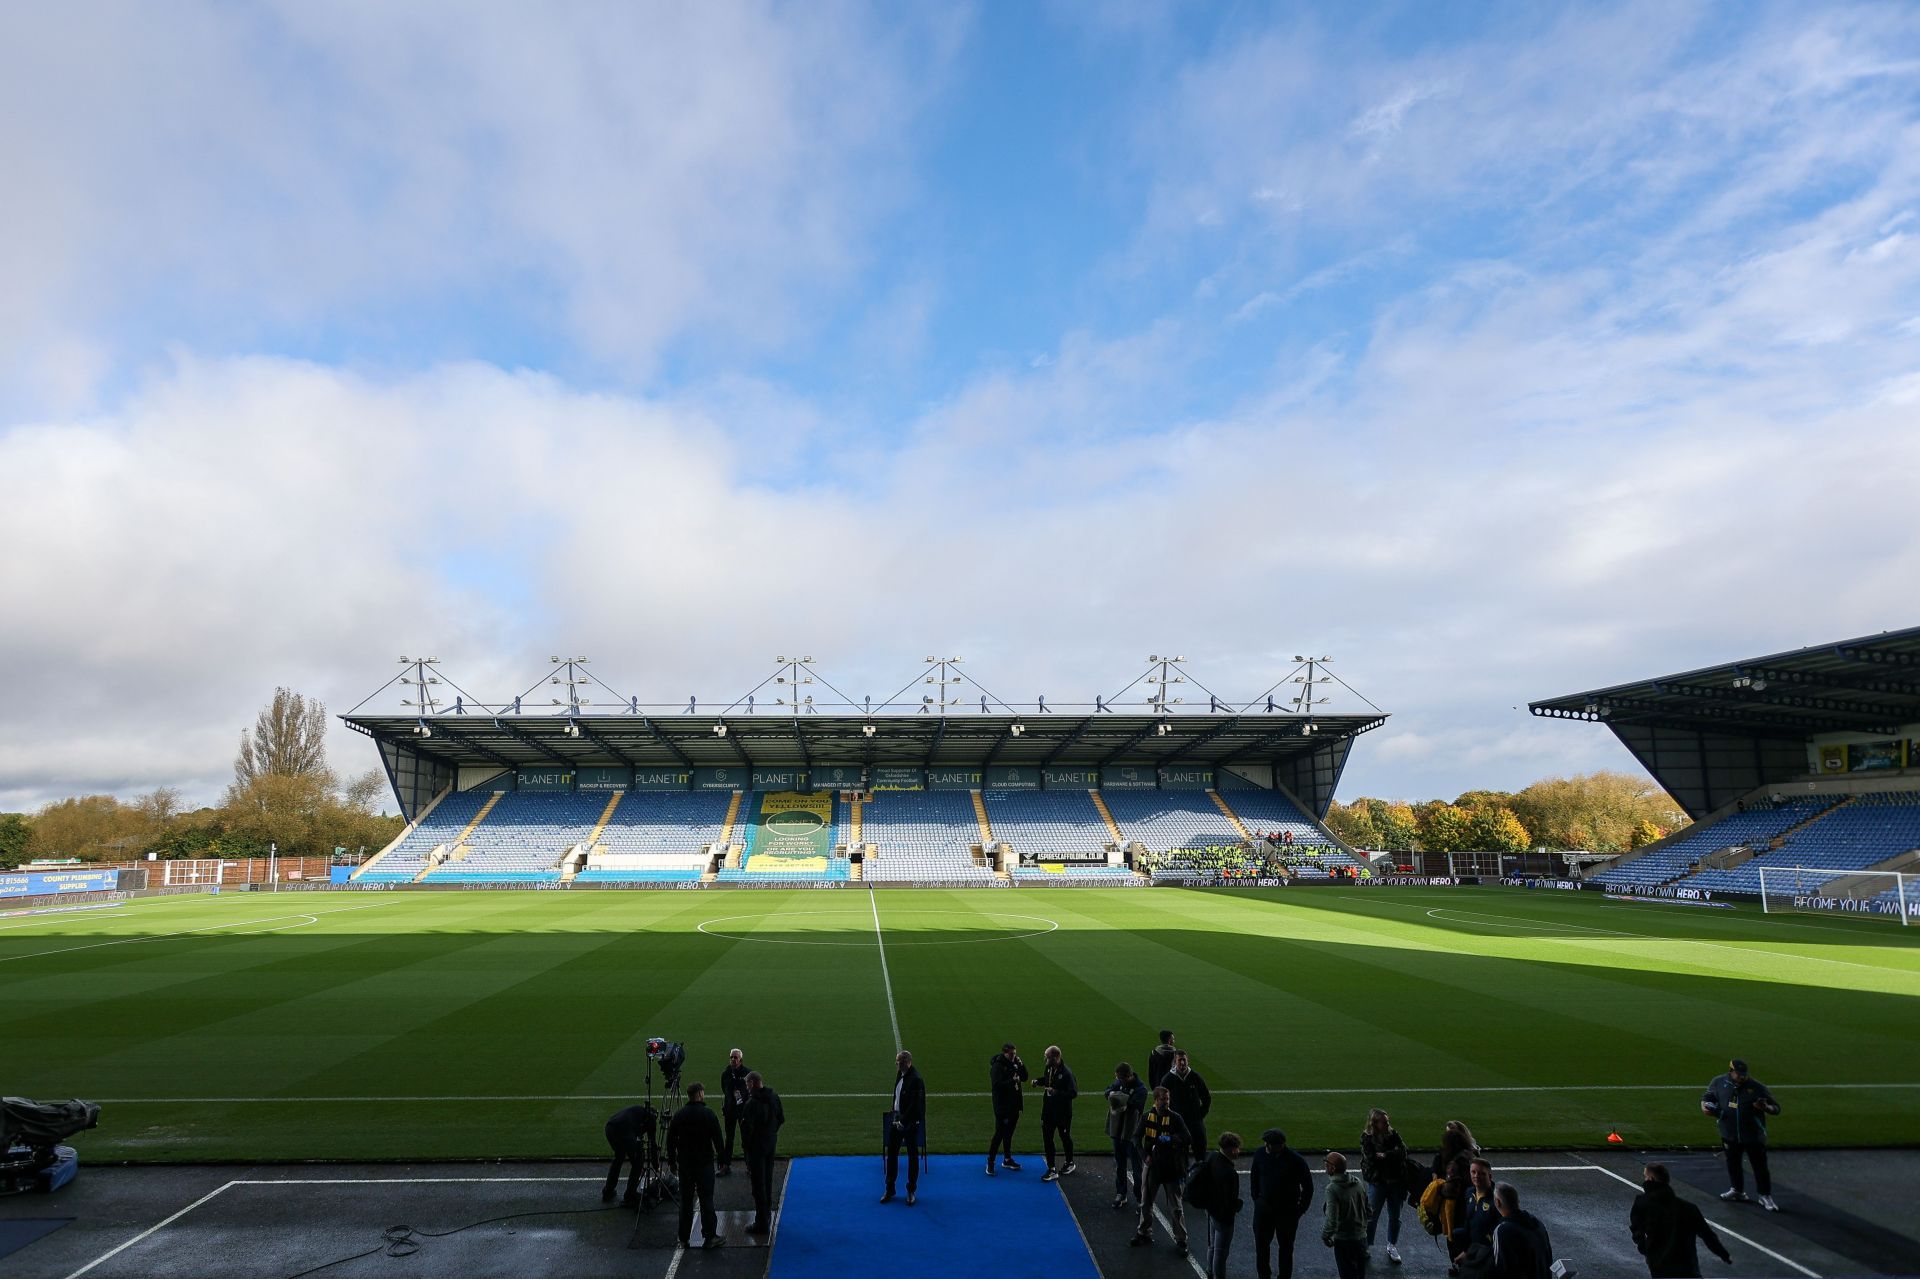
<point>861,922</point>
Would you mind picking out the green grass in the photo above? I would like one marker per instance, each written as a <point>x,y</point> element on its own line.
<point>1601,1014</point>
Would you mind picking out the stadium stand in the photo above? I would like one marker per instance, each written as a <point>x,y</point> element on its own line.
<point>1846,833</point>
<point>1063,821</point>
<point>922,835</point>
<point>408,858</point>
<point>666,822</point>
<point>1754,828</point>
<point>1165,820</point>
<point>522,838</point>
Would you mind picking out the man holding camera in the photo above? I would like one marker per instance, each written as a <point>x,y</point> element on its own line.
<point>1006,1074</point>
<point>760,1118</point>
<point>1741,1104</point>
<point>733,1099</point>
<point>905,1123</point>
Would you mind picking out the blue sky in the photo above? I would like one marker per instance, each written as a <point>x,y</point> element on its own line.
<point>1500,350</point>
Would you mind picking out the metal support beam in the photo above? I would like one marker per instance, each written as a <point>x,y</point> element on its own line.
<point>671,747</point>
<point>1141,736</point>
<point>532,742</point>
<point>1079,731</point>
<point>478,749</point>
<point>1218,730</point>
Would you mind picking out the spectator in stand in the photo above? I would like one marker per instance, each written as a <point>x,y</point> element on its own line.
<point>1383,1166</point>
<point>1456,1139</point>
<point>1345,1228</point>
<point>1666,1227</point>
<point>1192,1098</point>
<point>1282,1190</point>
<point>1160,1060</point>
<point>1741,1104</point>
<point>1056,1109</point>
<point>1521,1248</point>
<point>1165,1138</point>
<point>1126,1110</point>
<point>1222,1197</point>
<point>1005,1074</point>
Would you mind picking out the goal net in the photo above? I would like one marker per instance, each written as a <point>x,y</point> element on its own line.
<point>1883,894</point>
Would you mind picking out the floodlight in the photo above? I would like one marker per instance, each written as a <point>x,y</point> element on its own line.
<point>554,660</point>
<point>806,659</point>
<point>1153,657</point>
<point>719,730</point>
<point>867,730</point>
<point>1179,659</point>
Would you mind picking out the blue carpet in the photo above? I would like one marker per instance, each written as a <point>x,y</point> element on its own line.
<point>966,1224</point>
<point>18,1233</point>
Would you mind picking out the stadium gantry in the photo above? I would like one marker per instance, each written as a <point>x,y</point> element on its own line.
<point>1802,765</point>
<point>950,786</point>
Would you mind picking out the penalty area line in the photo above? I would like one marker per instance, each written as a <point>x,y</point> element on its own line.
<point>1725,1230</point>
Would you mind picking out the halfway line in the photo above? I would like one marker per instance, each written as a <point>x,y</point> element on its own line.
<point>873,900</point>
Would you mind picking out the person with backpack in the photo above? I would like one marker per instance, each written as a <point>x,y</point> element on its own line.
<point>1345,1226</point>
<point>1521,1248</point>
<point>1666,1227</point>
<point>1214,1188</point>
<point>1163,1134</point>
<point>1383,1167</point>
<point>1126,1111</point>
<point>1456,1139</point>
<point>1056,1109</point>
<point>1740,1103</point>
<point>1282,1190</point>
<point>1442,1212</point>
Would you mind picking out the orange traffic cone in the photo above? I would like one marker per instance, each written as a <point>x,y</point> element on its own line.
<point>1615,1139</point>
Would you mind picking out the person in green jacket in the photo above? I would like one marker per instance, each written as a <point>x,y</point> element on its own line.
<point>1345,1230</point>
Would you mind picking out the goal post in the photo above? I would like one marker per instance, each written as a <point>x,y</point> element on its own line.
<point>1883,894</point>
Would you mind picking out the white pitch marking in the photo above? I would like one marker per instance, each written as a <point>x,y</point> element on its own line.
<point>1053,925</point>
<point>188,932</point>
<point>63,917</point>
<point>1786,1261</point>
<point>109,1255</point>
<point>873,1096</point>
<point>873,900</point>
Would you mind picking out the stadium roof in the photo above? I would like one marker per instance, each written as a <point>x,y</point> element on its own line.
<point>1709,735</point>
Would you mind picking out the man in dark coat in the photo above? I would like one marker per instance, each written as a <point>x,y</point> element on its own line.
<point>1666,1228</point>
<point>1192,1098</point>
<point>1126,1108</point>
<point>1282,1191</point>
<point>1005,1075</point>
<point>1521,1248</point>
<point>1056,1109</point>
<point>1741,1104</point>
<point>693,1144</point>
<point>1221,1194</point>
<point>760,1118</point>
<point>627,1133</point>
<point>1160,1061</point>
<point>905,1123</point>
<point>733,1096</point>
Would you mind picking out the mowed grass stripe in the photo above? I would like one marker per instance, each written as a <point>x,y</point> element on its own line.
<point>541,1002</point>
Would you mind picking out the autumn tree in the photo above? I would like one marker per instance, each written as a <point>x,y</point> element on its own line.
<point>288,739</point>
<point>1495,829</point>
<point>1443,828</point>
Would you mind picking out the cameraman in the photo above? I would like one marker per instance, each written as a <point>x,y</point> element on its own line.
<point>627,1133</point>
<point>1005,1075</point>
<point>733,1098</point>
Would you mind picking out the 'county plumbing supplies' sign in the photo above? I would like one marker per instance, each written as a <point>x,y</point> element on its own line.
<point>41,883</point>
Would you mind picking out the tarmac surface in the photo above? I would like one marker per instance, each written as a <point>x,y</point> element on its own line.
<point>1846,1213</point>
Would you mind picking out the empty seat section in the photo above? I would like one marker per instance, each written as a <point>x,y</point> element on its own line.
<point>1164,820</point>
<point>1755,828</point>
<point>523,838</point>
<point>443,825</point>
<point>922,835</point>
<point>1869,830</point>
<point>1041,822</point>
<point>666,822</point>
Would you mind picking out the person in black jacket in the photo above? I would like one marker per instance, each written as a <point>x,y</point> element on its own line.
<point>1740,1104</point>
<point>1005,1074</point>
<point>904,1125</point>
<point>1521,1248</point>
<point>693,1144</point>
<point>627,1133</point>
<point>1192,1098</point>
<point>1666,1227</point>
<point>1056,1109</point>
<point>1164,1135</point>
<point>1126,1105</point>
<point>1282,1191</point>
<point>760,1119</point>
<point>1160,1061</point>
<point>1222,1197</point>
<point>733,1096</point>
<point>1383,1166</point>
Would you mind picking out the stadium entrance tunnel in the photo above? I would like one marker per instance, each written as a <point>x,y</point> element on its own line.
<point>903,927</point>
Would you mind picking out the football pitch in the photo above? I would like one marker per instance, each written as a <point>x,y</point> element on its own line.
<point>363,1025</point>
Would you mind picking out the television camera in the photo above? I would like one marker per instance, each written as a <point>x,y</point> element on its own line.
<point>31,1132</point>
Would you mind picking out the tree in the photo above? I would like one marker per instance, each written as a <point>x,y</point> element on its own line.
<point>1599,811</point>
<point>1646,833</point>
<point>92,827</point>
<point>1354,824</point>
<point>1497,830</point>
<point>1444,828</point>
<point>16,833</point>
<point>288,739</point>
